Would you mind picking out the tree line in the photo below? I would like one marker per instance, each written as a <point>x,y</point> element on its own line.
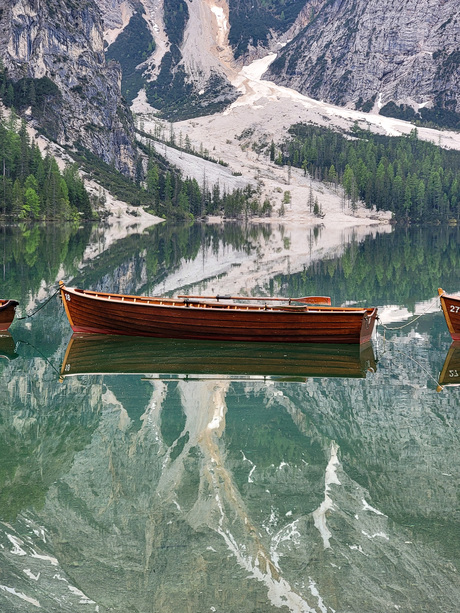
<point>32,185</point>
<point>174,197</point>
<point>415,179</point>
<point>177,198</point>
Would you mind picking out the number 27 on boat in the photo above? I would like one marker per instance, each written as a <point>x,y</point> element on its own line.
<point>451,308</point>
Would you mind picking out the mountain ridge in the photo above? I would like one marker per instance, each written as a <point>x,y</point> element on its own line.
<point>369,54</point>
<point>81,102</point>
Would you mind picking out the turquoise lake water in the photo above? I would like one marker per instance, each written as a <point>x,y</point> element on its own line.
<point>161,476</point>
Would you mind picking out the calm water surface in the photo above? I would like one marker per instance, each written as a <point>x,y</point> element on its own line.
<point>164,476</point>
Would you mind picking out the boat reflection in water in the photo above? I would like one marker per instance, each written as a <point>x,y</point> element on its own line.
<point>450,373</point>
<point>7,347</point>
<point>105,354</point>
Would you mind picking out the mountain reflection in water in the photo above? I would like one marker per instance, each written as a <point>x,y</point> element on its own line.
<point>237,479</point>
<point>252,496</point>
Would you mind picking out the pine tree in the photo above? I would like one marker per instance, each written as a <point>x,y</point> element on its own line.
<point>18,200</point>
<point>153,183</point>
<point>25,151</point>
<point>310,198</point>
<point>316,208</point>
<point>183,203</point>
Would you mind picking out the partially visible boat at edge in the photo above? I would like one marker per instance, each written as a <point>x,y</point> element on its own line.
<point>165,358</point>
<point>451,308</point>
<point>7,311</point>
<point>218,318</point>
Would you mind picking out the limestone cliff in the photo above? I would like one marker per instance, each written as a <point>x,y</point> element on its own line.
<point>367,53</point>
<point>185,54</point>
<point>349,52</point>
<point>57,47</point>
<point>178,51</point>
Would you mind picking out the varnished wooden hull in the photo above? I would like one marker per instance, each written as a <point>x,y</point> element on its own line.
<point>97,312</point>
<point>451,308</point>
<point>7,310</point>
<point>450,373</point>
<point>106,354</point>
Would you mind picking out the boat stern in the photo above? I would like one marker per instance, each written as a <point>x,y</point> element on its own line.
<point>368,325</point>
<point>65,296</point>
<point>451,308</point>
<point>7,312</point>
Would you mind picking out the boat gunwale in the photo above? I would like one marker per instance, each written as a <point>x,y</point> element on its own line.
<point>175,303</point>
<point>445,296</point>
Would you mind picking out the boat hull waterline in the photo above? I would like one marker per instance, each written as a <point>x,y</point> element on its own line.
<point>7,311</point>
<point>451,308</point>
<point>103,313</point>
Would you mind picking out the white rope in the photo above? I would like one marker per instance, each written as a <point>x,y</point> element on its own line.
<point>409,323</point>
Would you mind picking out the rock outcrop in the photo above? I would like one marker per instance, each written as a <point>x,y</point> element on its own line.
<point>62,41</point>
<point>367,53</point>
<point>186,54</point>
<point>357,53</point>
<point>178,52</point>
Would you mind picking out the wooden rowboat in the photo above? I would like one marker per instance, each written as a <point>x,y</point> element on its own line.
<point>451,308</point>
<point>215,319</point>
<point>7,310</point>
<point>104,354</point>
<point>450,373</point>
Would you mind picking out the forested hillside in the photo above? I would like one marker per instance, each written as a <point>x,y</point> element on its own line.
<point>173,196</point>
<point>32,186</point>
<point>414,179</point>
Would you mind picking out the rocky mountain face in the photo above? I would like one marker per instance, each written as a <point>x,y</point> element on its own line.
<point>380,56</point>
<point>56,50</point>
<point>401,60</point>
<point>178,51</point>
<point>185,53</point>
<point>368,53</point>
